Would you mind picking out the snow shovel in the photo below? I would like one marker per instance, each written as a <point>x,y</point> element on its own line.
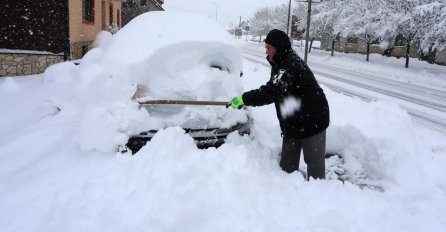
<point>182,102</point>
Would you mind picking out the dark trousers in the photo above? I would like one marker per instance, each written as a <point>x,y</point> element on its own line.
<point>314,154</point>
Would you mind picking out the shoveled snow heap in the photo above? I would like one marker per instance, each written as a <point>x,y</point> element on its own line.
<point>158,55</point>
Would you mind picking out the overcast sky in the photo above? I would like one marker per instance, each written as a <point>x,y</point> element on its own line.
<point>228,11</point>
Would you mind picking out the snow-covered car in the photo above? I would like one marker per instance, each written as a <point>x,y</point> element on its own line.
<point>177,56</point>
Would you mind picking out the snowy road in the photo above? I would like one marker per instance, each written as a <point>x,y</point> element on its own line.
<point>426,103</point>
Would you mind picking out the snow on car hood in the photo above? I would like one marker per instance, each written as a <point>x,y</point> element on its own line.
<point>145,34</point>
<point>170,55</point>
<point>158,55</point>
<point>178,56</point>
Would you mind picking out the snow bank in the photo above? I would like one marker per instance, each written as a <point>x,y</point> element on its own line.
<point>376,151</point>
<point>103,40</point>
<point>100,101</point>
<point>9,85</point>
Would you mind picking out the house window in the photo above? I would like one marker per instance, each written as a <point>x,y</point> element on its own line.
<point>400,40</point>
<point>118,18</point>
<point>110,14</point>
<point>88,10</point>
<point>352,40</point>
<point>104,15</point>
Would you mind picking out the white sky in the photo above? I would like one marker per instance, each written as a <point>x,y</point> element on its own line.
<point>228,11</point>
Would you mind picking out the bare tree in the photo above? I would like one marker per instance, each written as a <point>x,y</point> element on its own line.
<point>279,16</point>
<point>261,22</point>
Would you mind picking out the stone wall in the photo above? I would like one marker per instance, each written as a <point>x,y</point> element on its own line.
<point>19,64</point>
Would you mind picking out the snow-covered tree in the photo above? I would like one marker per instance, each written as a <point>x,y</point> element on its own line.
<point>299,11</point>
<point>325,20</point>
<point>432,17</point>
<point>416,21</point>
<point>364,19</point>
<point>279,16</point>
<point>406,22</point>
<point>266,19</point>
<point>261,22</point>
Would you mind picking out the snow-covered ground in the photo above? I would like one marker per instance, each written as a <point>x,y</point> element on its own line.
<point>53,178</point>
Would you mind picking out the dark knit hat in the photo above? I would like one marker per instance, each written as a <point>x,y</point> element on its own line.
<point>279,40</point>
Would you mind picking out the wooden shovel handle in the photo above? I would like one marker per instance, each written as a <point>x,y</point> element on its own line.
<point>181,102</point>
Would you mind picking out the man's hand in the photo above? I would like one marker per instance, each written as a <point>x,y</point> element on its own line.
<point>236,102</point>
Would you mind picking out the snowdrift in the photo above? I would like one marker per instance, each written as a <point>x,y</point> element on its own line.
<point>158,55</point>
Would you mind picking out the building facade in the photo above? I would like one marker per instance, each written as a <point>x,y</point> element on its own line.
<point>37,34</point>
<point>87,18</point>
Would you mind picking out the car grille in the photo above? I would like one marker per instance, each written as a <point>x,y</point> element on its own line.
<point>204,138</point>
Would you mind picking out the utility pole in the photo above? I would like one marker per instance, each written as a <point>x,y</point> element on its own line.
<point>307,31</point>
<point>288,31</point>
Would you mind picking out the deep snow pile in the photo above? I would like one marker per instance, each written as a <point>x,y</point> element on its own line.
<point>158,55</point>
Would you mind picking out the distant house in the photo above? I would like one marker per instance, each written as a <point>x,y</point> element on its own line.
<point>37,34</point>
<point>133,8</point>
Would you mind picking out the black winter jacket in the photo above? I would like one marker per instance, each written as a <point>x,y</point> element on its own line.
<point>291,78</point>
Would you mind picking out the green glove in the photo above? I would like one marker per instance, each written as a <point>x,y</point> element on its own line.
<point>236,102</point>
